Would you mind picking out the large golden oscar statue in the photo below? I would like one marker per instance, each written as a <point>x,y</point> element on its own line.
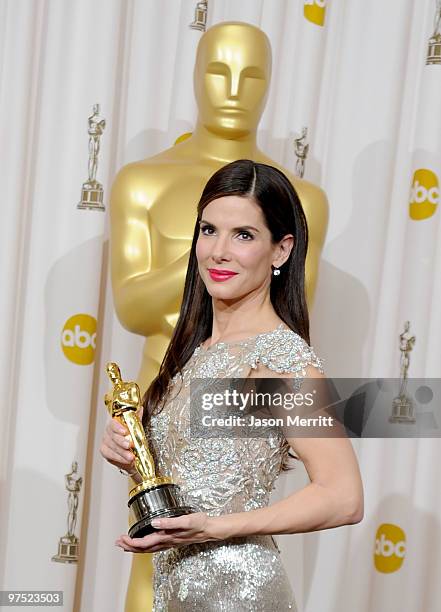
<point>153,206</point>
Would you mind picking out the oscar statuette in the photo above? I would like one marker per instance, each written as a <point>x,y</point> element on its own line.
<point>92,193</point>
<point>155,496</point>
<point>68,545</point>
<point>402,407</point>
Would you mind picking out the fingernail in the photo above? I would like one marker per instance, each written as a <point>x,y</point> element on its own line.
<point>156,523</point>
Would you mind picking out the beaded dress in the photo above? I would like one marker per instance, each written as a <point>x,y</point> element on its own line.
<point>225,475</point>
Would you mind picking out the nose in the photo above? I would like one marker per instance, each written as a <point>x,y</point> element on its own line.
<point>235,83</point>
<point>220,251</point>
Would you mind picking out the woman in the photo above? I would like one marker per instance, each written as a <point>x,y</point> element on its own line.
<point>243,315</point>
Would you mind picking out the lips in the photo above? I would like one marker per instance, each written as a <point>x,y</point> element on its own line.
<point>232,108</point>
<point>221,275</point>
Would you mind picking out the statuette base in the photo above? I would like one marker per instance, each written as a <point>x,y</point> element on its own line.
<point>157,502</point>
<point>434,50</point>
<point>198,25</point>
<point>92,196</point>
<point>150,484</point>
<point>402,411</point>
<point>68,547</point>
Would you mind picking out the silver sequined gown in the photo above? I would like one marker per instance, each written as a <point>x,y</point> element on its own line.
<point>222,476</point>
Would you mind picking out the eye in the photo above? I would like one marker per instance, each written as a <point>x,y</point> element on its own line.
<point>253,73</point>
<point>249,236</point>
<point>208,230</point>
<point>218,68</point>
<point>205,227</point>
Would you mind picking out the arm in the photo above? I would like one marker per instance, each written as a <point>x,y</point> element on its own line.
<point>142,300</point>
<point>142,293</point>
<point>333,498</point>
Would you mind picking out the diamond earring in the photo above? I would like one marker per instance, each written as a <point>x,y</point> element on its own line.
<point>276,271</point>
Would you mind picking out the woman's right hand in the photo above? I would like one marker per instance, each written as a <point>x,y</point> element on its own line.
<point>115,447</point>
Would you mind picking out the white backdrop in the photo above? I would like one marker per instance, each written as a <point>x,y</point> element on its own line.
<point>361,85</point>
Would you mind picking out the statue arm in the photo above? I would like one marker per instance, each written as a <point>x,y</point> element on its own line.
<point>142,294</point>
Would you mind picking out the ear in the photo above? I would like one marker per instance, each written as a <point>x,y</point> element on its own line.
<point>283,250</point>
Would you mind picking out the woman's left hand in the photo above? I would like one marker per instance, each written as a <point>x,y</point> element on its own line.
<point>171,532</point>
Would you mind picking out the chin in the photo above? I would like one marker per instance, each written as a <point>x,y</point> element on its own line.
<point>228,299</point>
<point>233,127</point>
<point>218,293</point>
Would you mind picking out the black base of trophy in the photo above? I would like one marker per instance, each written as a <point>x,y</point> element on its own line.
<point>157,502</point>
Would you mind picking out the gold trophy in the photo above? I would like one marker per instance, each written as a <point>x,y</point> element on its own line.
<point>156,496</point>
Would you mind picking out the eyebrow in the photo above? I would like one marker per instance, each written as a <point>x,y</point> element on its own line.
<point>235,229</point>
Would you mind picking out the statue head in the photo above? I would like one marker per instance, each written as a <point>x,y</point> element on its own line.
<point>96,109</point>
<point>114,373</point>
<point>74,466</point>
<point>231,78</point>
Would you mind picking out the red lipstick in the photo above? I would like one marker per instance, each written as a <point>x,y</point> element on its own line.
<point>221,275</point>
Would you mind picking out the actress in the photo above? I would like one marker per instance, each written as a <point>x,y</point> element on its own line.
<point>243,315</point>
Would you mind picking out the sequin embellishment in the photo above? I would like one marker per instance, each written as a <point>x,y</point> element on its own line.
<point>222,476</point>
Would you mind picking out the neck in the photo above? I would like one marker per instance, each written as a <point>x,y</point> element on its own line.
<point>245,317</point>
<point>223,146</point>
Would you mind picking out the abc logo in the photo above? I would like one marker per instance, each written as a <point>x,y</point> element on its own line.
<point>78,339</point>
<point>314,10</point>
<point>390,548</point>
<point>424,195</point>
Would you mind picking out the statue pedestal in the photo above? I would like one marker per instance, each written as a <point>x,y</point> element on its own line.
<point>434,50</point>
<point>402,410</point>
<point>67,550</point>
<point>200,18</point>
<point>92,196</point>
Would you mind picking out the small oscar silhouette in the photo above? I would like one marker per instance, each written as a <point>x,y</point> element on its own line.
<point>156,496</point>
<point>92,193</point>
<point>301,148</point>
<point>402,406</point>
<point>68,544</point>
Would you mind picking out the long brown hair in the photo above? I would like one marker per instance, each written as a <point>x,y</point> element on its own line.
<point>283,214</point>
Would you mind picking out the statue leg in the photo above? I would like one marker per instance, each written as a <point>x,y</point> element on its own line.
<point>74,514</point>
<point>90,163</point>
<point>96,148</point>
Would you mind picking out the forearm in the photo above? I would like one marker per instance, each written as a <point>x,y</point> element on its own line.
<point>311,509</point>
<point>141,301</point>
